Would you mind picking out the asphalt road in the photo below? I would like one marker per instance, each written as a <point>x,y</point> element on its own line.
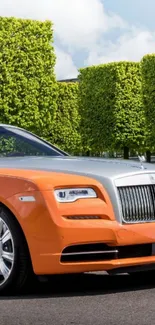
<point>90,299</point>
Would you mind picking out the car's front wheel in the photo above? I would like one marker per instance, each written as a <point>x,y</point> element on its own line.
<point>15,265</point>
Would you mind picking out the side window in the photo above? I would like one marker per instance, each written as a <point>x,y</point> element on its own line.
<point>15,146</point>
<point>16,142</point>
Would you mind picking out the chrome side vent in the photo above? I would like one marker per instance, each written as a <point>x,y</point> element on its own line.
<point>88,253</point>
<point>102,252</point>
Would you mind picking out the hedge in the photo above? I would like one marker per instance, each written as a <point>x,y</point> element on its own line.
<point>28,88</point>
<point>148,87</point>
<point>111,107</point>
<point>65,129</point>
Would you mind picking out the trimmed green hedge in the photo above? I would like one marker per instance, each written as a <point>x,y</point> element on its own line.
<point>111,107</point>
<point>65,130</point>
<point>105,111</point>
<point>28,88</point>
<point>148,86</point>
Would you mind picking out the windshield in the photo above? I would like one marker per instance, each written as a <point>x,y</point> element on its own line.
<point>16,142</point>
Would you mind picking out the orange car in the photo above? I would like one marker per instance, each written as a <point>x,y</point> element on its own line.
<point>63,214</point>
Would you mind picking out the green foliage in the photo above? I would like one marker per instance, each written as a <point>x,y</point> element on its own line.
<point>28,89</point>
<point>111,107</point>
<point>148,87</point>
<point>6,146</point>
<point>65,128</point>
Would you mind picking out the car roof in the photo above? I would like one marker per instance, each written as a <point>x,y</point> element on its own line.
<point>11,126</point>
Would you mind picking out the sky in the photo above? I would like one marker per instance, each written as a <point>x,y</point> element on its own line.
<point>88,32</point>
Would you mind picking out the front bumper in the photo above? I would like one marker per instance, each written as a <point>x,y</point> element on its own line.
<point>63,233</point>
<point>49,232</point>
<point>73,233</point>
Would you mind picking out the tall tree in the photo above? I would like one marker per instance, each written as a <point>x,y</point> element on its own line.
<point>148,87</point>
<point>65,127</point>
<point>111,107</point>
<point>28,88</point>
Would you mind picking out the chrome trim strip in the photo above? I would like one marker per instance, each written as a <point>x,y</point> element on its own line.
<point>87,253</point>
<point>27,199</point>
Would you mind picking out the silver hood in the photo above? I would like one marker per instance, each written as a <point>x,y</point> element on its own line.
<point>110,168</point>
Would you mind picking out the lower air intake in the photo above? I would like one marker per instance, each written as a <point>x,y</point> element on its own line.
<point>103,252</point>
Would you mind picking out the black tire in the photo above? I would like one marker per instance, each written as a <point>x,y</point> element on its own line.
<point>21,267</point>
<point>139,275</point>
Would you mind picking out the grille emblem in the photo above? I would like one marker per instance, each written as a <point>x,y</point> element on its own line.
<point>152,179</point>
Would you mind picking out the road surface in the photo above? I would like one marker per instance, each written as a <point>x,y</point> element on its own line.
<point>90,299</point>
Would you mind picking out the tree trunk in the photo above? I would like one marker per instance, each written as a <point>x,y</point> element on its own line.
<point>88,153</point>
<point>148,156</point>
<point>126,153</point>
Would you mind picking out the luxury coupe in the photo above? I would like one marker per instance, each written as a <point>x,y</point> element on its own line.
<point>61,214</point>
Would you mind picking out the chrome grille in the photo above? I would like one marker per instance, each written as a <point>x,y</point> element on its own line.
<point>137,203</point>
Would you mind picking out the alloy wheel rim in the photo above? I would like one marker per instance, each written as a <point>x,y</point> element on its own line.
<point>6,252</point>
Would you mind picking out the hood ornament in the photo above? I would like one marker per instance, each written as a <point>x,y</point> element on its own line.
<point>142,160</point>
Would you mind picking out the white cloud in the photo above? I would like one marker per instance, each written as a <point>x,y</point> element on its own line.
<point>80,25</point>
<point>65,67</point>
<point>132,46</point>
<point>82,22</point>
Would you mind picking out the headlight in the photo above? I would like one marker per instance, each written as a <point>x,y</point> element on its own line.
<point>72,194</point>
